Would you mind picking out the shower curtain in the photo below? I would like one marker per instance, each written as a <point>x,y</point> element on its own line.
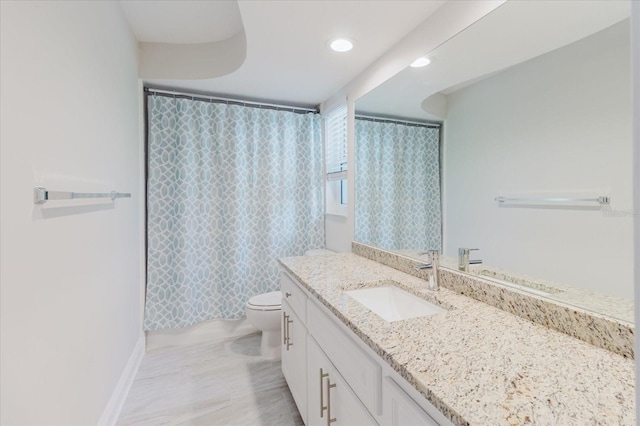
<point>397,185</point>
<point>230,188</point>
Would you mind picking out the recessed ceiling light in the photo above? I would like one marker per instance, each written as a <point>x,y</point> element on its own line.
<point>341,45</point>
<point>420,62</point>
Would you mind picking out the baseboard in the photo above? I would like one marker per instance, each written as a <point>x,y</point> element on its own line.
<point>207,331</point>
<point>116,402</point>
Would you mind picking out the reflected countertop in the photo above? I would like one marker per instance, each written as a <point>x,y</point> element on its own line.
<point>477,364</point>
<point>615,307</point>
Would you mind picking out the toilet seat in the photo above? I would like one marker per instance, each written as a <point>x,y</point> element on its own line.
<point>266,302</point>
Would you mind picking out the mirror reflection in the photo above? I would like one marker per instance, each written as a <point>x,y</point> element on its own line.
<point>507,109</point>
<point>397,184</point>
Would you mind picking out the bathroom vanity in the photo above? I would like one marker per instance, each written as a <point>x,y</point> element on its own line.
<point>469,364</point>
<point>335,377</point>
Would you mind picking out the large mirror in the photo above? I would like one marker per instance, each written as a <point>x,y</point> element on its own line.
<point>516,139</point>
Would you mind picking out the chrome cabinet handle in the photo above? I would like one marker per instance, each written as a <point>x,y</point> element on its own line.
<point>289,321</point>
<point>287,295</point>
<point>329,387</point>
<point>322,406</point>
<point>284,328</point>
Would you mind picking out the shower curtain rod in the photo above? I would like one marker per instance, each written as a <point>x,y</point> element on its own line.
<point>396,121</point>
<point>194,97</point>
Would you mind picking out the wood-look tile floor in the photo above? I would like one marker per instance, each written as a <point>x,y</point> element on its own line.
<point>219,383</point>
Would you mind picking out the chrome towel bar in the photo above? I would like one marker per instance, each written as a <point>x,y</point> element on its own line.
<point>603,200</point>
<point>42,195</point>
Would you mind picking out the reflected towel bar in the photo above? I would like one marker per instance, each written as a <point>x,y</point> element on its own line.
<point>42,195</point>
<point>603,200</point>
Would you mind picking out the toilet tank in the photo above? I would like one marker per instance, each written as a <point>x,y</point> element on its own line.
<point>317,252</point>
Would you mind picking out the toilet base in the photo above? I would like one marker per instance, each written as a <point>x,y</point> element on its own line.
<point>270,345</point>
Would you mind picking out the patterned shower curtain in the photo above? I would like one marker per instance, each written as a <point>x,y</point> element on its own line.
<point>230,188</point>
<point>397,186</point>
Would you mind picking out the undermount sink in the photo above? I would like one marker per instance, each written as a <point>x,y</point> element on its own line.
<point>393,304</point>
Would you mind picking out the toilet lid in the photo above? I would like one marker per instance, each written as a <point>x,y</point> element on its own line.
<point>266,301</point>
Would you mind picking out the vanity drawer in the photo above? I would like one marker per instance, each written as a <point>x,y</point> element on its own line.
<point>400,409</point>
<point>294,295</point>
<point>361,371</point>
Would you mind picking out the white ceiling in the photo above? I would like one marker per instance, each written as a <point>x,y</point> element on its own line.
<point>287,59</point>
<point>184,21</point>
<point>513,33</point>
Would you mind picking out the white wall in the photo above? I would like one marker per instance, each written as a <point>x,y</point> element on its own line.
<point>447,21</point>
<point>71,275</point>
<point>635,45</point>
<point>557,125</point>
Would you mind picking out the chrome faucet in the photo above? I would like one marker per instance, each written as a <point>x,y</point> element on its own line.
<point>463,259</point>
<point>434,256</point>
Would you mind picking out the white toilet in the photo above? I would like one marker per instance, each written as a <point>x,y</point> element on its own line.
<point>264,312</point>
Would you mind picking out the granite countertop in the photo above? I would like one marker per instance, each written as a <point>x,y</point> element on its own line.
<point>477,364</point>
<point>612,306</point>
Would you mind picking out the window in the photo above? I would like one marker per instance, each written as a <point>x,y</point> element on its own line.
<point>336,157</point>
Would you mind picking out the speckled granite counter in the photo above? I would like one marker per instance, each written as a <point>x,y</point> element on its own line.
<point>599,303</point>
<point>477,364</point>
<point>597,329</point>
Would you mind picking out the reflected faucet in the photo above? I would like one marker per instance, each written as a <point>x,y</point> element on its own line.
<point>463,259</point>
<point>434,256</point>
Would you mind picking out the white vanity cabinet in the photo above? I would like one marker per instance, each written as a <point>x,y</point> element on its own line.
<point>294,356</point>
<point>335,378</point>
<point>330,399</point>
<point>400,410</point>
<point>362,372</point>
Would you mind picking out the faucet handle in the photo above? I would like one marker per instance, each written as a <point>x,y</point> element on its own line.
<point>434,256</point>
<point>465,251</point>
<point>463,259</point>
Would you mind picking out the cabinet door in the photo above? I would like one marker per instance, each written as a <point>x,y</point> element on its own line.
<point>346,408</point>
<point>330,400</point>
<point>400,409</point>
<point>294,357</point>
<point>317,373</point>
<point>363,372</point>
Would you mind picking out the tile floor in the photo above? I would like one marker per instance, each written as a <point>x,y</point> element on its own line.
<point>219,383</point>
